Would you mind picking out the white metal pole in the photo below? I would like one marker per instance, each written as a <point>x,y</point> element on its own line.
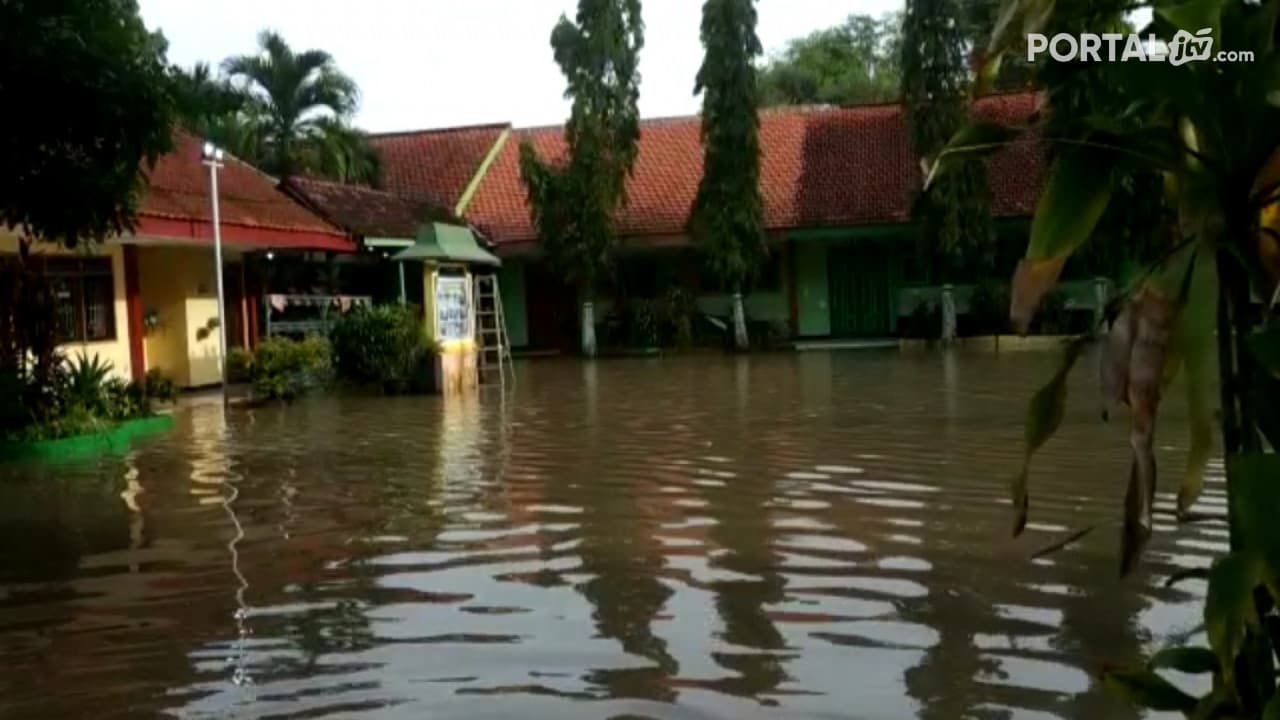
<point>217,254</point>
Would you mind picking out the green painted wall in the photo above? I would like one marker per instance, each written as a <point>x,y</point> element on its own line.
<point>511,283</point>
<point>813,313</point>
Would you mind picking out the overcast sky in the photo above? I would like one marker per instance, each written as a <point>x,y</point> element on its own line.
<point>441,63</point>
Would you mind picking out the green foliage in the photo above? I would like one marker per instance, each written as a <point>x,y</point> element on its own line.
<point>81,397</point>
<point>159,386</point>
<point>87,108</point>
<point>727,221</point>
<point>239,365</point>
<point>678,312</point>
<point>86,380</point>
<point>1044,417</point>
<point>383,346</point>
<point>572,202</point>
<point>1211,132</point>
<point>287,112</point>
<point>853,63</point>
<point>284,369</point>
<point>1149,690</point>
<point>122,400</point>
<point>953,218</point>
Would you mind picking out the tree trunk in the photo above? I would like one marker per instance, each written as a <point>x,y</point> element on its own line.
<point>740,340</point>
<point>588,329</point>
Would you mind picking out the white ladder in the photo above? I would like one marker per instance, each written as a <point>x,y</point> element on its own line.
<point>492,342</point>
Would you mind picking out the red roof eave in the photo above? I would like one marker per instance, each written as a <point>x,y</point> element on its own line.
<point>245,235</point>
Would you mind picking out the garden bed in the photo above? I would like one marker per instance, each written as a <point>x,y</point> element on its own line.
<point>116,438</point>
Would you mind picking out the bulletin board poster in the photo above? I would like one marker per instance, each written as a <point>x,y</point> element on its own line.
<point>453,308</point>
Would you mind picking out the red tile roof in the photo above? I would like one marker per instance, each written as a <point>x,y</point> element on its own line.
<point>820,166</point>
<point>254,212</point>
<point>435,166</point>
<point>365,211</point>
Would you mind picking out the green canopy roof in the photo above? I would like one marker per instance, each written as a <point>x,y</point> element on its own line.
<point>444,243</point>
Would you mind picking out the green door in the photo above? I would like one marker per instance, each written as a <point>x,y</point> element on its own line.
<point>860,282</point>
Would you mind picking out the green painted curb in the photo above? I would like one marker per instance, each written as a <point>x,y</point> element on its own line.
<point>115,439</point>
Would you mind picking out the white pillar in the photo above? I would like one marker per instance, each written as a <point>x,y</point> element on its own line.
<point>948,314</point>
<point>1101,294</point>
<point>740,340</point>
<point>217,260</point>
<point>588,329</point>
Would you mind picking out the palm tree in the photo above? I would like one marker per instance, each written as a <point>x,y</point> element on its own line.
<point>298,99</point>
<point>341,152</point>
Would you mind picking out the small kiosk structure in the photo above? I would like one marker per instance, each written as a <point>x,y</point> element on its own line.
<point>454,265</point>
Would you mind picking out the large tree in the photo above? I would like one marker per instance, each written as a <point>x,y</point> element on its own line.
<point>572,201</point>
<point>728,212</point>
<point>297,110</point>
<point>87,109</point>
<point>852,63</point>
<point>210,107</point>
<point>954,219</point>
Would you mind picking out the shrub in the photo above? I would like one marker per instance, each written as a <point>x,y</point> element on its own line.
<point>122,400</point>
<point>924,322</point>
<point>383,346</point>
<point>284,369</point>
<point>239,365</point>
<point>988,309</point>
<point>679,311</point>
<point>159,386</point>
<point>86,381</point>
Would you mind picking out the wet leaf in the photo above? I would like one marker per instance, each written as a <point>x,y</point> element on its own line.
<point>1217,705</point>
<point>1155,314</point>
<point>1193,341</point>
<point>1031,282</point>
<point>1016,19</point>
<point>1268,387</point>
<point>1136,530</point>
<point>1188,574</point>
<point>1192,660</point>
<point>1116,350</point>
<point>1147,689</point>
<point>1229,604</point>
<point>1193,15</point>
<point>1266,196</point>
<point>1272,710</point>
<point>1254,479</point>
<point>1074,198</point>
<point>1044,417</point>
<point>1070,539</point>
<point>1265,346</point>
<point>977,139</point>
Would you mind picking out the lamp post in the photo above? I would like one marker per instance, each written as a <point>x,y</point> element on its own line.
<point>211,155</point>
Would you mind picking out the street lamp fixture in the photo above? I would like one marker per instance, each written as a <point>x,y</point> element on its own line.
<point>211,155</point>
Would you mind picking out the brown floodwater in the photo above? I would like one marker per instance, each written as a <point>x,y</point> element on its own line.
<point>807,535</point>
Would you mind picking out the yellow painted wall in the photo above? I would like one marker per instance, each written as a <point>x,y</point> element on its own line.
<point>160,282</point>
<point>180,286</point>
<point>115,351</point>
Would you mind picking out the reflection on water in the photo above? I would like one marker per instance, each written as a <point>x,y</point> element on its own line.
<point>812,534</point>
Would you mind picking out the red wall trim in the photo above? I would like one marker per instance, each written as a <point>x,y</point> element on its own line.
<point>134,311</point>
<point>232,234</point>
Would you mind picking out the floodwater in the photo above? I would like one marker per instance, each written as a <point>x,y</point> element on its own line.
<point>807,535</point>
